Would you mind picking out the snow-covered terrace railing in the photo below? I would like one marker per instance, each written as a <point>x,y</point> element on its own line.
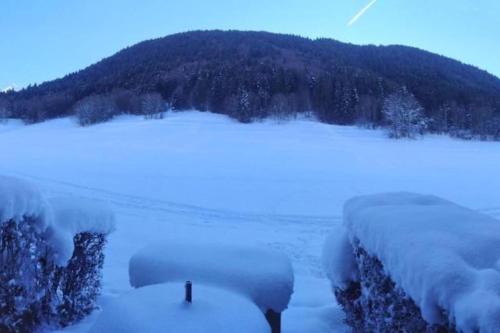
<point>263,276</point>
<point>50,257</point>
<point>416,263</point>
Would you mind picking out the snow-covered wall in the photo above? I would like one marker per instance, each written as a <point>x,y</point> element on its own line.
<point>444,256</point>
<point>264,276</point>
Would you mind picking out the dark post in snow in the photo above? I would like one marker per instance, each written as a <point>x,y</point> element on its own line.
<point>274,320</point>
<point>189,292</point>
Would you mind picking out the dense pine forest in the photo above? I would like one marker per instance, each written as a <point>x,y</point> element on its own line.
<point>254,75</point>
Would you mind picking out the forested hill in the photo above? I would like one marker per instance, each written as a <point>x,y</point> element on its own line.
<point>252,75</point>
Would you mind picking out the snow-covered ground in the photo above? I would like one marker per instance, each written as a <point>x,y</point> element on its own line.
<point>197,175</point>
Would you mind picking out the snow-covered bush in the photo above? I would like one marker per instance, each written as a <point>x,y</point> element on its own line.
<point>25,276</point>
<point>50,257</point>
<point>80,227</point>
<point>24,273</point>
<point>79,282</point>
<point>375,304</point>
<point>95,109</point>
<point>404,115</point>
<point>416,263</point>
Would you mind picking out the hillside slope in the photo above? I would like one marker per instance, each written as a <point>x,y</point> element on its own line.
<point>250,75</point>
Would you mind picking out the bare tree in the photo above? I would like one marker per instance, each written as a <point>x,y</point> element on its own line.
<point>280,107</point>
<point>95,109</point>
<point>153,106</point>
<point>127,101</point>
<point>482,121</point>
<point>404,115</point>
<point>494,128</point>
<point>4,111</point>
<point>367,110</point>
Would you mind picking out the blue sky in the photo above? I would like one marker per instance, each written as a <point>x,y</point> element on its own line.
<point>45,39</point>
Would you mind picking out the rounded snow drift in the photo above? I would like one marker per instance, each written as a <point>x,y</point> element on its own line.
<point>161,308</point>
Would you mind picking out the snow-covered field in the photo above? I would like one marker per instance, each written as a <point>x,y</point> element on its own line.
<point>196,176</point>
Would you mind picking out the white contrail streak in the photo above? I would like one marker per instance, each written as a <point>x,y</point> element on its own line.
<point>361,13</point>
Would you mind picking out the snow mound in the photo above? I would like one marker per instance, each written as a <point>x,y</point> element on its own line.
<point>338,259</point>
<point>264,276</point>
<point>72,216</point>
<point>20,199</point>
<point>161,308</point>
<point>78,215</point>
<point>442,255</point>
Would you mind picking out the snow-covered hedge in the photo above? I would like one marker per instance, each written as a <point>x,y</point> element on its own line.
<point>264,276</point>
<point>416,263</point>
<point>161,308</point>
<point>50,257</point>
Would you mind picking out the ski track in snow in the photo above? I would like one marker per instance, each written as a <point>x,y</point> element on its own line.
<point>302,235</point>
<point>55,188</point>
